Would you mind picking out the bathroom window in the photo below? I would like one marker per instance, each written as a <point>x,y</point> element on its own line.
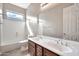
<point>14,16</point>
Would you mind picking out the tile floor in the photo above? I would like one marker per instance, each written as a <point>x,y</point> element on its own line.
<point>16,52</point>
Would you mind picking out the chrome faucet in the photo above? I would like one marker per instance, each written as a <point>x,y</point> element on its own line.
<point>65,36</point>
<point>61,42</point>
<point>40,37</point>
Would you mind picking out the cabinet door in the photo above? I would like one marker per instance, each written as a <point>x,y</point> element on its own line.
<point>49,53</point>
<point>39,51</point>
<point>31,48</point>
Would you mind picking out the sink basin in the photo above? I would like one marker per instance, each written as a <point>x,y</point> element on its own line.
<point>65,49</point>
<point>62,48</point>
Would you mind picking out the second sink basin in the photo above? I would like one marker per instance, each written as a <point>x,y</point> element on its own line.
<point>62,48</point>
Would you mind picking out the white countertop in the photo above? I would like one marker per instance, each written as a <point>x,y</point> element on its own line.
<point>68,48</point>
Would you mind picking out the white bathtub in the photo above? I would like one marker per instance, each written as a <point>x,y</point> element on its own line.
<point>9,47</point>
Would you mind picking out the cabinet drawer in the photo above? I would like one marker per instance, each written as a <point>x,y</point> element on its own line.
<point>49,53</point>
<point>32,52</point>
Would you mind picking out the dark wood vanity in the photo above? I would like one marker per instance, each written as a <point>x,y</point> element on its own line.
<point>31,48</point>
<point>36,50</point>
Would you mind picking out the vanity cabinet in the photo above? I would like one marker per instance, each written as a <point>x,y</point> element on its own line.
<point>38,50</point>
<point>31,48</point>
<point>49,53</point>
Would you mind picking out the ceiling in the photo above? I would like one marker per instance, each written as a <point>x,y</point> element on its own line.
<point>22,5</point>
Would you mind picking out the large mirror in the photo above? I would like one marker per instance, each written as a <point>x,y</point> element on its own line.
<point>60,20</point>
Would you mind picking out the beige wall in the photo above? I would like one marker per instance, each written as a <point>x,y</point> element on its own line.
<point>33,11</point>
<point>0,20</point>
<point>8,6</point>
<point>0,5</point>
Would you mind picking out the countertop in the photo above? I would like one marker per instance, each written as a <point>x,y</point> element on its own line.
<point>67,48</point>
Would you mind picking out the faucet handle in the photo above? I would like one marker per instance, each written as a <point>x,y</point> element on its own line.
<point>57,42</point>
<point>62,43</point>
<point>66,44</point>
<point>64,33</point>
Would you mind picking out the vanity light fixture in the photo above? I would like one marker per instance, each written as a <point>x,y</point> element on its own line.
<point>46,6</point>
<point>43,4</point>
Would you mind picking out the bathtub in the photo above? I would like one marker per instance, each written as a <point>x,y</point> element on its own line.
<point>9,47</point>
